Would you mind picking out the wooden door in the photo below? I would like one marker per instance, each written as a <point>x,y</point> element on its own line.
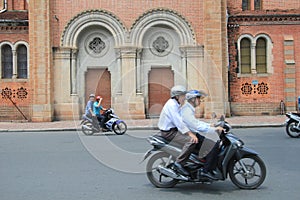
<point>161,80</point>
<point>98,83</point>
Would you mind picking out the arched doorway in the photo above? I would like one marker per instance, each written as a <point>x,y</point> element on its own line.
<point>98,81</point>
<point>161,80</point>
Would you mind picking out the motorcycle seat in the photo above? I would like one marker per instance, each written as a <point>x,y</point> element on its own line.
<point>161,138</point>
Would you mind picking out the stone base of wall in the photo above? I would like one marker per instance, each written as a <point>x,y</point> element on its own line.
<point>129,107</point>
<point>254,109</point>
<point>11,113</point>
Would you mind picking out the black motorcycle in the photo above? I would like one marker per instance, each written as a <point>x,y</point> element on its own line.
<point>243,165</point>
<point>91,125</point>
<point>293,124</point>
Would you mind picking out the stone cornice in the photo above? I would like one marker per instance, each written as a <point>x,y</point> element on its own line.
<point>237,20</point>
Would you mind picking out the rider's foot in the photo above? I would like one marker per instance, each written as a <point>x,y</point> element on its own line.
<point>207,174</point>
<point>181,169</point>
<point>104,130</point>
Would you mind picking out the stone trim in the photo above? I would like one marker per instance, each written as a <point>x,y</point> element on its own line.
<point>90,18</point>
<point>160,16</point>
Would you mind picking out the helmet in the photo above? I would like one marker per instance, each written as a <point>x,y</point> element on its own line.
<point>92,95</point>
<point>98,97</point>
<point>194,93</point>
<point>178,90</point>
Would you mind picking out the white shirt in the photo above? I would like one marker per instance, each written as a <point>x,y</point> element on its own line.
<point>188,117</point>
<point>170,117</point>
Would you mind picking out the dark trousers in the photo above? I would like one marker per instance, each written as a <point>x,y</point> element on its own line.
<point>212,158</point>
<point>182,139</point>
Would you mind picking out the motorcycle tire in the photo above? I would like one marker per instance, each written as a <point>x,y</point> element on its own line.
<point>290,130</point>
<point>119,128</point>
<point>247,180</point>
<point>155,177</point>
<point>88,131</point>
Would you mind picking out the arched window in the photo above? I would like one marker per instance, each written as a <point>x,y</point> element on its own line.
<point>6,61</point>
<point>261,55</point>
<point>245,56</point>
<point>22,61</point>
<point>257,4</point>
<point>246,4</point>
<point>254,55</point>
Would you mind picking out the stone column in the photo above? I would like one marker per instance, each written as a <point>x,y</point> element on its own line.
<point>15,61</point>
<point>40,60</point>
<point>215,57</point>
<point>129,104</point>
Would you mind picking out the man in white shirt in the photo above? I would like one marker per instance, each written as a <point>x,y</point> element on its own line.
<point>174,129</point>
<point>210,135</point>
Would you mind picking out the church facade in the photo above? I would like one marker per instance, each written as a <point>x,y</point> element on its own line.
<point>55,53</point>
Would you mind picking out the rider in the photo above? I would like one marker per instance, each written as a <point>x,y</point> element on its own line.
<point>89,106</point>
<point>89,110</point>
<point>97,108</point>
<point>209,147</point>
<point>174,129</point>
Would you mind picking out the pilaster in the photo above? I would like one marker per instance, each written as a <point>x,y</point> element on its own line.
<point>215,57</point>
<point>289,74</point>
<point>40,62</point>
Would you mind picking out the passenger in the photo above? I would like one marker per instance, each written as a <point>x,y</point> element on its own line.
<point>210,135</point>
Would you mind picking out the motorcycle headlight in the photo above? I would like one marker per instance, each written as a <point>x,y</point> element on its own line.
<point>239,143</point>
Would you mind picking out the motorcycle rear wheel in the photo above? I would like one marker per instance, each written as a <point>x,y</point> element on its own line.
<point>119,128</point>
<point>89,130</point>
<point>155,177</point>
<point>290,130</point>
<point>247,180</point>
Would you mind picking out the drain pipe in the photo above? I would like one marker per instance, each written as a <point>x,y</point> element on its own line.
<point>5,7</point>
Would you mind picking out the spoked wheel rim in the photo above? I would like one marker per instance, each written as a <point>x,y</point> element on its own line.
<point>154,176</point>
<point>120,128</point>
<point>254,175</point>
<point>89,130</point>
<point>291,132</point>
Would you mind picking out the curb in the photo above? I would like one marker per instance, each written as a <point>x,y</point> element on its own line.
<point>234,126</point>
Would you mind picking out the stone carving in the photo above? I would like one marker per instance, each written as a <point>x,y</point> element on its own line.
<point>97,45</point>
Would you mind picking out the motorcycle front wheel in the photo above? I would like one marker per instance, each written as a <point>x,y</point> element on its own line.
<point>87,128</point>
<point>252,177</point>
<point>155,177</point>
<point>291,131</point>
<point>119,128</point>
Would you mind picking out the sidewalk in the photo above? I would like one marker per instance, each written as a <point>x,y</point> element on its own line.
<point>236,122</point>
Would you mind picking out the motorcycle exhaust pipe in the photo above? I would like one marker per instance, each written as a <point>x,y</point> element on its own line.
<point>170,173</point>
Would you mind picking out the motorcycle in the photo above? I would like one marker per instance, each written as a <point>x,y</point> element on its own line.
<point>293,124</point>
<point>113,123</point>
<point>244,166</point>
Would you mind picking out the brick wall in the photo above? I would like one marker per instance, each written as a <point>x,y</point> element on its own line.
<point>235,6</point>
<point>127,11</point>
<point>278,29</point>
<point>21,97</point>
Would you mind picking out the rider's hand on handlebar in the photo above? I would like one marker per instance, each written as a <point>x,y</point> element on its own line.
<point>194,137</point>
<point>219,130</point>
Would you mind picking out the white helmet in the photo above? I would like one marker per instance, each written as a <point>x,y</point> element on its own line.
<point>178,90</point>
<point>194,93</point>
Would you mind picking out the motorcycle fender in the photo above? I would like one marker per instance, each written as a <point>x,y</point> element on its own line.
<point>148,153</point>
<point>245,151</point>
<point>287,121</point>
<point>119,121</point>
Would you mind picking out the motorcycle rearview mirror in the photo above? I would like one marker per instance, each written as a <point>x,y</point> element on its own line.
<point>222,118</point>
<point>213,115</point>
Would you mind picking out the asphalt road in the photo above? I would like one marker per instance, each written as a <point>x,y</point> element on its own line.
<point>72,166</point>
